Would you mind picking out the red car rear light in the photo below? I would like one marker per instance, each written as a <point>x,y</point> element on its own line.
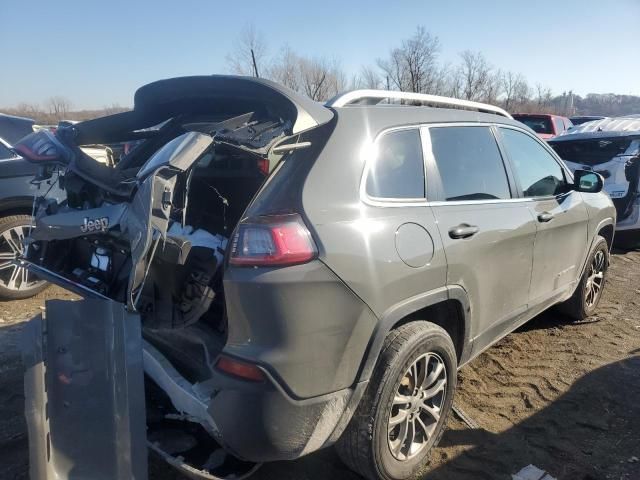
<point>237,368</point>
<point>40,146</point>
<point>263,165</point>
<point>272,241</point>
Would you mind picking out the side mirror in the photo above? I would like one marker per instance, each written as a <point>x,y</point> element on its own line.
<point>587,181</point>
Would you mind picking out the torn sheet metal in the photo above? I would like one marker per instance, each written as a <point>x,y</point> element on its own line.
<point>84,392</point>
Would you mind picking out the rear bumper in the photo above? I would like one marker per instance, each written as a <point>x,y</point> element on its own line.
<point>256,421</point>
<point>261,423</point>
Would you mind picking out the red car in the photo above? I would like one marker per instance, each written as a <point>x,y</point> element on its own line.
<point>545,125</point>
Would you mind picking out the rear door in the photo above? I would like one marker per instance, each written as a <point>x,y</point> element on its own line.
<point>560,214</point>
<point>487,232</point>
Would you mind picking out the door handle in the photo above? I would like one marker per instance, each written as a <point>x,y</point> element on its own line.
<point>463,230</point>
<point>545,217</point>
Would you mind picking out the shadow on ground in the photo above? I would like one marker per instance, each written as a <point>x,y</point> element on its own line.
<point>590,432</point>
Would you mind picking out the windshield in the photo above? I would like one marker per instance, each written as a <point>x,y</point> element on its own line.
<point>537,124</point>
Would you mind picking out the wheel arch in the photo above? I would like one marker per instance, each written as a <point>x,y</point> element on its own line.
<point>607,231</point>
<point>22,205</point>
<point>447,307</point>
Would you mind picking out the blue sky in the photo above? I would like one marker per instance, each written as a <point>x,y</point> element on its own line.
<point>98,52</point>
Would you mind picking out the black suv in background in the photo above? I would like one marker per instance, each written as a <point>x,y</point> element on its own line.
<point>16,204</point>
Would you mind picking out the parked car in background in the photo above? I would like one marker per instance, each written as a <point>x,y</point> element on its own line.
<point>610,147</point>
<point>579,120</point>
<point>545,125</point>
<point>16,202</point>
<point>16,205</point>
<point>328,300</point>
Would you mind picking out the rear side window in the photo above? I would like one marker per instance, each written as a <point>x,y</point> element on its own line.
<point>539,173</point>
<point>470,164</point>
<point>397,171</point>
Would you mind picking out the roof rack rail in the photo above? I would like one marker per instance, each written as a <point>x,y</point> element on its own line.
<point>374,97</point>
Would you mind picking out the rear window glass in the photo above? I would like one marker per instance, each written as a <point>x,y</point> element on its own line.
<point>537,124</point>
<point>591,152</point>
<point>397,171</point>
<point>470,164</point>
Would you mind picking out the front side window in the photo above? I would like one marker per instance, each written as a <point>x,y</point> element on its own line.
<point>5,152</point>
<point>539,173</point>
<point>470,164</point>
<point>397,171</point>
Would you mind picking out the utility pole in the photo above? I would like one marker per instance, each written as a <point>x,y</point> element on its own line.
<point>255,65</point>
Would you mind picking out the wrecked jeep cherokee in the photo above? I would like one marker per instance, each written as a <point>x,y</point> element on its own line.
<point>266,276</point>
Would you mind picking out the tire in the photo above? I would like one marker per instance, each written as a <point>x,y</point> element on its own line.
<point>15,283</point>
<point>369,446</point>
<point>581,304</point>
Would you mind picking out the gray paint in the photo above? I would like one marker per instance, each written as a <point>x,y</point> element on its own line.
<point>316,329</point>
<point>84,392</point>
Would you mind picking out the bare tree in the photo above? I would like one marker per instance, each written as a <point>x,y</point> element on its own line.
<point>321,79</point>
<point>514,87</point>
<point>286,69</point>
<point>249,56</point>
<point>31,110</point>
<point>59,107</point>
<point>543,98</point>
<point>476,76</point>
<point>368,78</point>
<point>413,66</point>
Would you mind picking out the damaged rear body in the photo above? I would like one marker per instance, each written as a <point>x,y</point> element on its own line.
<point>610,147</point>
<point>150,239</point>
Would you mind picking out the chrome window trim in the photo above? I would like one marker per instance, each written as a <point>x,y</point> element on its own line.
<point>426,140</point>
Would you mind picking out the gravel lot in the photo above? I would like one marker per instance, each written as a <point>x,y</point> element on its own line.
<point>562,396</point>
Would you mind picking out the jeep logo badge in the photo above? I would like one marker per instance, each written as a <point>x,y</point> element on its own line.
<point>95,225</point>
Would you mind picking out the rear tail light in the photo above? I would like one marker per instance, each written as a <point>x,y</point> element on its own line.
<point>237,368</point>
<point>263,165</point>
<point>272,241</point>
<point>40,147</point>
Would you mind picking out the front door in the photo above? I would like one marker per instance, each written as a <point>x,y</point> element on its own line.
<point>560,215</point>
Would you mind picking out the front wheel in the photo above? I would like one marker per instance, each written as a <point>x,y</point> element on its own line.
<point>403,413</point>
<point>585,299</point>
<point>15,282</point>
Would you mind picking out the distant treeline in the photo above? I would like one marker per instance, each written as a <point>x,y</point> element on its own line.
<point>412,66</point>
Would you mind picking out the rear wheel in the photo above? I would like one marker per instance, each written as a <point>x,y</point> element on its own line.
<point>15,282</point>
<point>585,299</point>
<point>404,410</point>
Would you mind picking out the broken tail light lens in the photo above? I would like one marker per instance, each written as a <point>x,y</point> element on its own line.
<point>237,368</point>
<point>41,147</point>
<point>272,241</point>
<point>263,166</point>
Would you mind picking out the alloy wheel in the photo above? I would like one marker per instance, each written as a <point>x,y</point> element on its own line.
<point>13,276</point>
<point>595,280</point>
<point>417,406</point>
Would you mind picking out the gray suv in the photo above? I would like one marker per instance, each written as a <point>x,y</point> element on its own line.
<point>283,276</point>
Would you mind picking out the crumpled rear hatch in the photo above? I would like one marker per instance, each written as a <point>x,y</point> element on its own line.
<point>144,244</point>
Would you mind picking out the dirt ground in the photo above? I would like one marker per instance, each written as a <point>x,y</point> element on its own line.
<point>560,395</point>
